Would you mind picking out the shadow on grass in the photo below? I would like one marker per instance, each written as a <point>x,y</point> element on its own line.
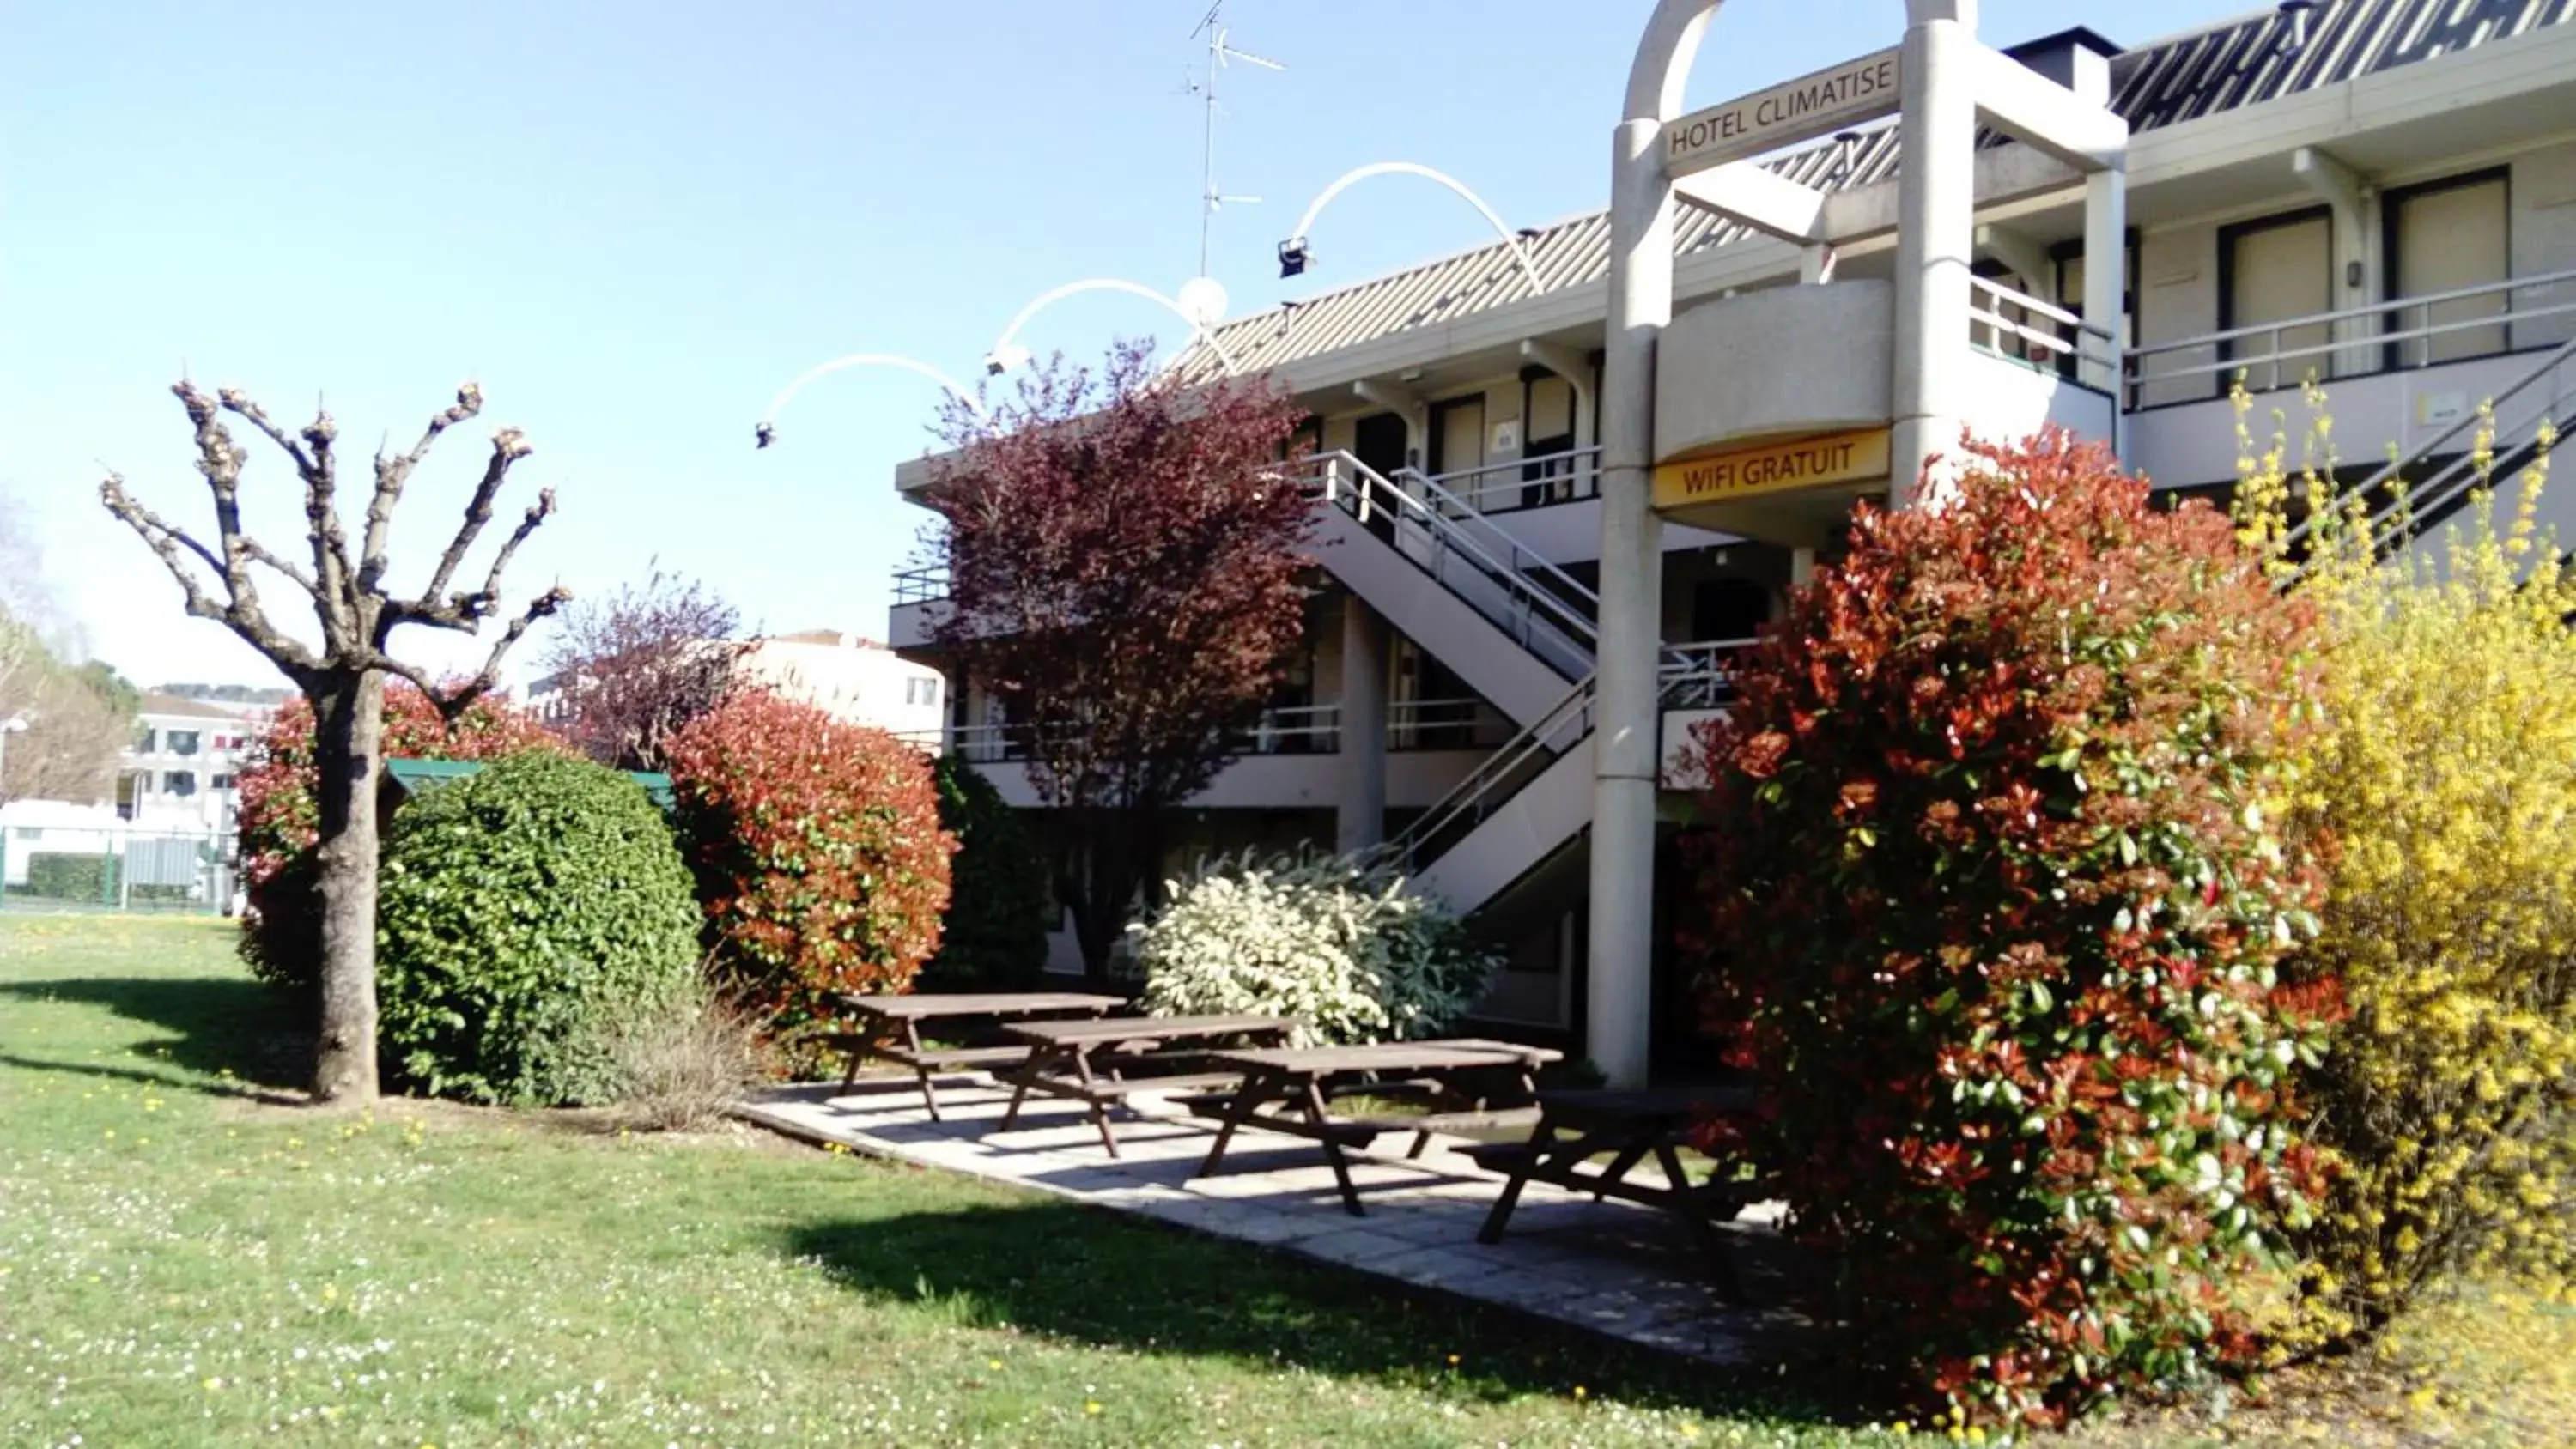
<point>215,1024</point>
<point>1091,1276</point>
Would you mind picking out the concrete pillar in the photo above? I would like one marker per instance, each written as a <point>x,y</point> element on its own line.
<point>1802,566</point>
<point>1619,992</point>
<point>2106,276</point>
<point>1360,811</point>
<point>1935,245</point>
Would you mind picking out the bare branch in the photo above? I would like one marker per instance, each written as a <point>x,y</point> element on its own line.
<point>393,473</point>
<point>241,613</point>
<point>509,445</point>
<point>455,701</point>
<point>313,464</point>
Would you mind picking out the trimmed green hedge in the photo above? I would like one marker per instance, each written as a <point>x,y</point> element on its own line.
<point>68,876</point>
<point>994,936</point>
<point>526,912</point>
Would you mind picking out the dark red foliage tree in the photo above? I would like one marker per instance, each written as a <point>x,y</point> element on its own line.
<point>356,612</point>
<point>640,664</point>
<point>1995,890</point>
<point>1124,560</point>
<point>280,818</point>
<point>818,853</point>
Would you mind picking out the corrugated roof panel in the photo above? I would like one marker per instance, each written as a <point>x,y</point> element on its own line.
<point>2226,66</point>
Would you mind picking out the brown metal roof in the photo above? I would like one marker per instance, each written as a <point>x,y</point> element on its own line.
<point>2183,78</point>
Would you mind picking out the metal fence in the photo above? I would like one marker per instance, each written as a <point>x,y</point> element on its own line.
<point>93,868</point>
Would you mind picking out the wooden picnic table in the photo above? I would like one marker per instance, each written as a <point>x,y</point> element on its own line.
<point>1088,1061</point>
<point>889,1029</point>
<point>1574,1127</point>
<point>1304,1080</point>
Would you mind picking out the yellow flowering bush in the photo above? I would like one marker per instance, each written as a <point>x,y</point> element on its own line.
<point>2444,771</point>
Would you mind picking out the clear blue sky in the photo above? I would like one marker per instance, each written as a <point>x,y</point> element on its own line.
<point>635,222</point>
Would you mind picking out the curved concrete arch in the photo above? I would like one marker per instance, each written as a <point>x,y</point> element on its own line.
<point>1627,748</point>
<point>1011,334</point>
<point>1511,238</point>
<point>767,428</point>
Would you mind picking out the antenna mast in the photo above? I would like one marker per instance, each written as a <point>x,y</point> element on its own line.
<point>1219,54</point>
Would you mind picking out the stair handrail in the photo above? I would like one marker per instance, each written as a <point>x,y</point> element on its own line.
<point>1405,847</point>
<point>1693,677</point>
<point>1336,471</point>
<point>2430,499</point>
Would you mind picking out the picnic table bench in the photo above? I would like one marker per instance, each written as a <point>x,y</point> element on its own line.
<point>1089,1061</point>
<point>888,1028</point>
<point>1575,1127</point>
<point>1304,1080</point>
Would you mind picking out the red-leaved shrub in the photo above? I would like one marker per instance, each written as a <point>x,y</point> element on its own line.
<point>818,853</point>
<point>279,818</point>
<point>1991,900</point>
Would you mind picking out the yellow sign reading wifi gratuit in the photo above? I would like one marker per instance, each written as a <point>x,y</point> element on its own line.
<point>1773,468</point>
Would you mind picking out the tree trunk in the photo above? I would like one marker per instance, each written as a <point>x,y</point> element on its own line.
<point>348,734</point>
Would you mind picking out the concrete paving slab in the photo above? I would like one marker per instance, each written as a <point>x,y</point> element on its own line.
<point>1614,1268</point>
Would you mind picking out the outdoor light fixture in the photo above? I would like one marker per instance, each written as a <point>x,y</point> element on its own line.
<point>1293,257</point>
<point>1204,306</point>
<point>2295,15</point>
<point>1005,357</point>
<point>765,432</point>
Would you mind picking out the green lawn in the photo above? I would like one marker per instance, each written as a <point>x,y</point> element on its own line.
<point>184,1260</point>
<point>188,1259</point>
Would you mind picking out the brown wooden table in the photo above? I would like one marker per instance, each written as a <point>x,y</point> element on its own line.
<point>1088,1061</point>
<point>1304,1080</point>
<point>1576,1127</point>
<point>889,1029</point>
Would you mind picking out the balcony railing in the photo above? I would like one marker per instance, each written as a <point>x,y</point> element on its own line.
<point>2021,327</point>
<point>2391,336</point>
<point>1533,482</point>
<point>1303,730</point>
<point>921,584</point>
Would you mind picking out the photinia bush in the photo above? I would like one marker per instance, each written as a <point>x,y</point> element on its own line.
<point>279,819</point>
<point>818,852</point>
<point>1992,901</point>
<point>994,937</point>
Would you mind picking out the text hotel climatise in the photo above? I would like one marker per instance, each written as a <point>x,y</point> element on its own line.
<point>1810,106</point>
<point>1773,468</point>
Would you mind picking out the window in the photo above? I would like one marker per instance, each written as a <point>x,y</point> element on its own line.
<point>182,783</point>
<point>221,782</point>
<point>150,741</point>
<point>183,742</point>
<point>2273,270</point>
<point>2448,236</point>
<point>29,832</point>
<point>921,691</point>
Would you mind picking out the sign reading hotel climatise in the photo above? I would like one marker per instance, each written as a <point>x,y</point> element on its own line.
<point>1853,457</point>
<point>1810,106</point>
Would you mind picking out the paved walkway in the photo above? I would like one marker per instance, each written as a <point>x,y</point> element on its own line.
<point>1611,1267</point>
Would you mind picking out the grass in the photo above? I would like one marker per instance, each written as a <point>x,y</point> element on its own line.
<point>187,1257</point>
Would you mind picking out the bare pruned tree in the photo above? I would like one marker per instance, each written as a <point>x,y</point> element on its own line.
<point>344,677</point>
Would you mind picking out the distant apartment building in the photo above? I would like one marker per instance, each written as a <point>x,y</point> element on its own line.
<point>852,678</point>
<point>182,772</point>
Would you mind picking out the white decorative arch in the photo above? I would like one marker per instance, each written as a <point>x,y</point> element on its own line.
<point>768,426</point>
<point>1512,239</point>
<point>1010,335</point>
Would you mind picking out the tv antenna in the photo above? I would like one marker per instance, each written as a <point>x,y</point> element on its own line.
<point>1220,54</point>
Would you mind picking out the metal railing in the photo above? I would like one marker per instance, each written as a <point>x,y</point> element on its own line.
<point>1531,482</point>
<point>2402,333</point>
<point>1694,676</point>
<point>921,584</point>
<point>1442,724</point>
<point>2023,328</point>
<point>1532,601</point>
<point>2496,440</point>
<point>1301,730</point>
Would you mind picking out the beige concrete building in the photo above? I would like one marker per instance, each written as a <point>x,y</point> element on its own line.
<point>2379,194</point>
